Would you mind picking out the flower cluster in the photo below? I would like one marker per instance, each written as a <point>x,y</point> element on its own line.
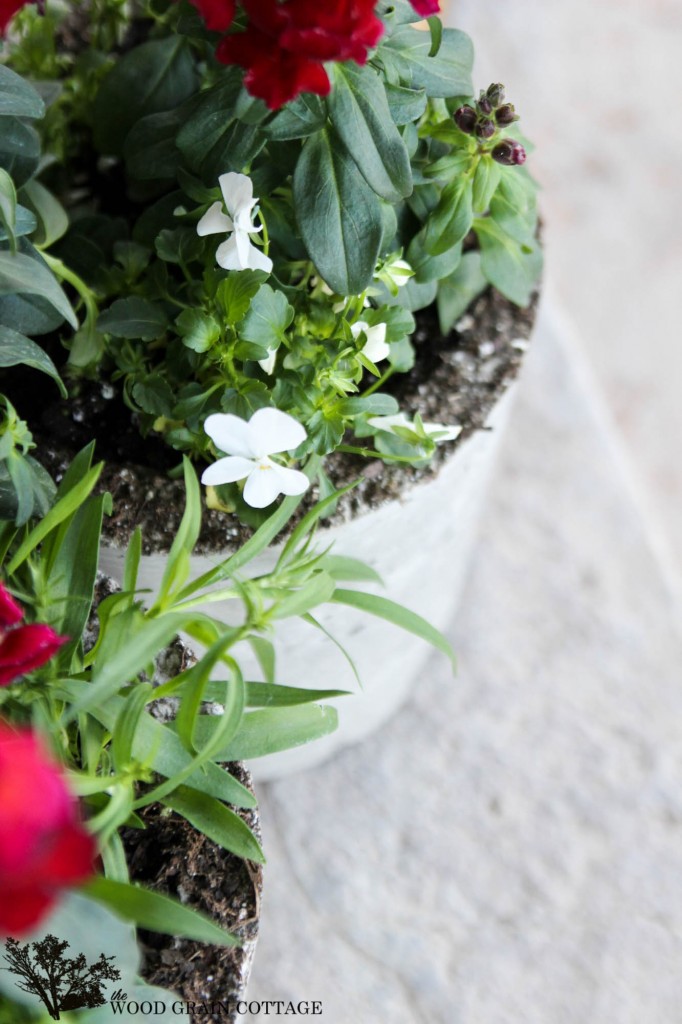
<point>43,845</point>
<point>486,118</point>
<point>286,43</point>
<point>22,647</point>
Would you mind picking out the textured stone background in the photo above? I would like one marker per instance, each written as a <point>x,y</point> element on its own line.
<point>507,850</point>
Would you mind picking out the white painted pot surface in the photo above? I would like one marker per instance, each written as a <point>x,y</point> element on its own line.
<point>420,546</point>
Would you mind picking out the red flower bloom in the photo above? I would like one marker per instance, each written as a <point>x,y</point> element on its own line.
<point>8,8</point>
<point>22,648</point>
<point>426,7</point>
<point>285,44</point>
<point>218,14</point>
<point>43,846</point>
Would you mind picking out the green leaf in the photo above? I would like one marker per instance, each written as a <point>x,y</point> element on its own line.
<point>64,508</point>
<point>486,180</point>
<point>149,150</point>
<point>382,607</point>
<point>235,292</point>
<point>8,206</point>
<point>265,323</point>
<point>72,576</point>
<point>199,331</point>
<point>17,349</point>
<point>451,220</point>
<point>338,214</point>
<point>407,52</point>
<point>428,267</point>
<point>271,730</point>
<point>513,207</point>
<point>513,267</point>
<point>17,97</point>
<point>359,111</point>
<point>150,78</point>
<point>21,274</point>
<point>185,538</point>
<point>19,149</point>
<point>371,405</point>
<point>458,291</point>
<point>154,395</point>
<point>133,317</point>
<point>342,567</point>
<point>156,912</point>
<point>216,821</point>
<point>274,695</point>
<point>436,30</point>
<point>406,105</point>
<point>212,139</point>
<point>297,120</point>
<point>52,217</point>
<point>314,592</point>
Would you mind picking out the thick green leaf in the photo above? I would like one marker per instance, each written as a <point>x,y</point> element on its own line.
<point>8,206</point>
<point>359,111</point>
<point>235,292</point>
<point>298,119</point>
<point>17,349</point>
<point>216,821</point>
<point>407,52</point>
<point>486,180</point>
<point>150,78</point>
<point>339,215</point>
<point>156,912</point>
<point>133,317</point>
<point>212,140</point>
<point>19,149</point>
<point>458,291</point>
<point>150,151</point>
<point>382,607</point>
<point>342,567</point>
<point>53,219</point>
<point>406,105</point>
<point>25,224</point>
<point>17,96</point>
<point>428,267</point>
<point>21,274</point>
<point>513,267</point>
<point>451,220</point>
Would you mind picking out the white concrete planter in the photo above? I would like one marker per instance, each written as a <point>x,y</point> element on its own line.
<point>421,548</point>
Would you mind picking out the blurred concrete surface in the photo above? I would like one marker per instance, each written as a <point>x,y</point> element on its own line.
<point>597,86</point>
<point>507,849</point>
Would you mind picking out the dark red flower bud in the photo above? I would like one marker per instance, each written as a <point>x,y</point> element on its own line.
<point>495,93</point>
<point>485,129</point>
<point>484,105</point>
<point>25,648</point>
<point>506,115</point>
<point>465,118</point>
<point>509,152</point>
<point>8,8</point>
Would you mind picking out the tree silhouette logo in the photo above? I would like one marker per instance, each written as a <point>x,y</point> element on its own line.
<point>59,981</point>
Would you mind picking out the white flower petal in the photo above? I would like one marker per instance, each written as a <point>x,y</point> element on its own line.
<point>447,433</point>
<point>237,191</point>
<point>226,471</point>
<point>268,364</point>
<point>243,243</point>
<point>229,433</point>
<point>227,254</point>
<point>398,419</point>
<point>376,347</point>
<point>262,486</point>
<point>271,431</point>
<point>291,481</point>
<point>214,221</point>
<point>258,260</point>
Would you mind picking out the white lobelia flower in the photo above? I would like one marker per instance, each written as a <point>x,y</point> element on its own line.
<point>248,447</point>
<point>237,252</point>
<point>399,419</point>
<point>376,347</point>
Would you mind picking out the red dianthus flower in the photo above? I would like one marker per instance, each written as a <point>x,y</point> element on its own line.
<point>22,648</point>
<point>43,846</point>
